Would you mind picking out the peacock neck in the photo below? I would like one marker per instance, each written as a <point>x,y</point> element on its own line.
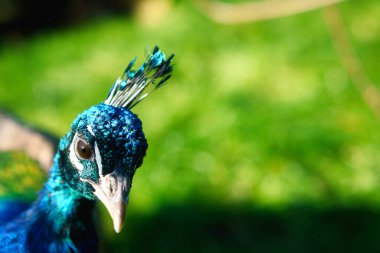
<point>60,204</point>
<point>59,200</point>
<point>59,217</point>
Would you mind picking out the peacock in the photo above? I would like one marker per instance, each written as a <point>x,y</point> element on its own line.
<point>95,160</point>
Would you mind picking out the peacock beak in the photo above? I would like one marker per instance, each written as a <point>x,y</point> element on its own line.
<point>113,191</point>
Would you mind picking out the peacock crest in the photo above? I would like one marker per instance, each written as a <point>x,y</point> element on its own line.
<point>135,85</point>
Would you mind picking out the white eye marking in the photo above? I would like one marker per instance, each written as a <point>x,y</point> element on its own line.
<point>89,128</point>
<point>73,157</point>
<point>98,159</point>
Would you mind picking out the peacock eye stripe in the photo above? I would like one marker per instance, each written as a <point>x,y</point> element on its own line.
<point>89,128</point>
<point>98,159</point>
<point>83,149</point>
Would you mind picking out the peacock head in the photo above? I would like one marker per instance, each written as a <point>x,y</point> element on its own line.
<point>106,144</point>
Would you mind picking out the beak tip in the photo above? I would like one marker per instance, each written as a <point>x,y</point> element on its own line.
<point>113,192</point>
<point>117,228</point>
<point>118,215</point>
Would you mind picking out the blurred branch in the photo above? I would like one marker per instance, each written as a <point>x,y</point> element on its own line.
<point>16,136</point>
<point>228,13</point>
<point>350,60</point>
<point>152,12</point>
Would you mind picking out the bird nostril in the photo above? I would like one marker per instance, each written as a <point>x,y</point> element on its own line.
<point>111,184</point>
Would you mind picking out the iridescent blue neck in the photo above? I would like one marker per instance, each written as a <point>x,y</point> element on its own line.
<point>58,199</point>
<point>58,214</point>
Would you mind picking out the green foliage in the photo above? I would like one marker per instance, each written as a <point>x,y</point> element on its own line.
<point>262,114</point>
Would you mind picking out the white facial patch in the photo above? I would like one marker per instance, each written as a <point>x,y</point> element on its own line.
<point>76,161</point>
<point>89,128</point>
<point>98,159</point>
<point>73,157</point>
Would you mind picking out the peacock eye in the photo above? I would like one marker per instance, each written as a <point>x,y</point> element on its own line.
<point>83,149</point>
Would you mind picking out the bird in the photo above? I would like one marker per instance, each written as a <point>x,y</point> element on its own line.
<point>95,160</point>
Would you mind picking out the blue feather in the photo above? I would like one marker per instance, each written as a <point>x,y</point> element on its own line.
<point>10,209</point>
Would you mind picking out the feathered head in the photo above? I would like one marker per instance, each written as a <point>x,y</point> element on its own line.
<point>106,144</point>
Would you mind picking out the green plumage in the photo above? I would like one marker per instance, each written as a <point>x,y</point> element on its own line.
<point>20,176</point>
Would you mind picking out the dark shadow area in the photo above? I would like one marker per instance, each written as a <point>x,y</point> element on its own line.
<point>19,18</point>
<point>200,228</point>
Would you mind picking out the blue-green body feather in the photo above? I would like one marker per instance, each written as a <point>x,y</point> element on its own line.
<point>11,209</point>
<point>48,225</point>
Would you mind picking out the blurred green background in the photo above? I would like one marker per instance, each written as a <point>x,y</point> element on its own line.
<point>266,139</point>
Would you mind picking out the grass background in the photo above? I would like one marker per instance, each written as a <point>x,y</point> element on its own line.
<point>261,141</point>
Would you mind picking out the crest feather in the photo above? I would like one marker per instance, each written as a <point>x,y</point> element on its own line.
<point>135,85</point>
